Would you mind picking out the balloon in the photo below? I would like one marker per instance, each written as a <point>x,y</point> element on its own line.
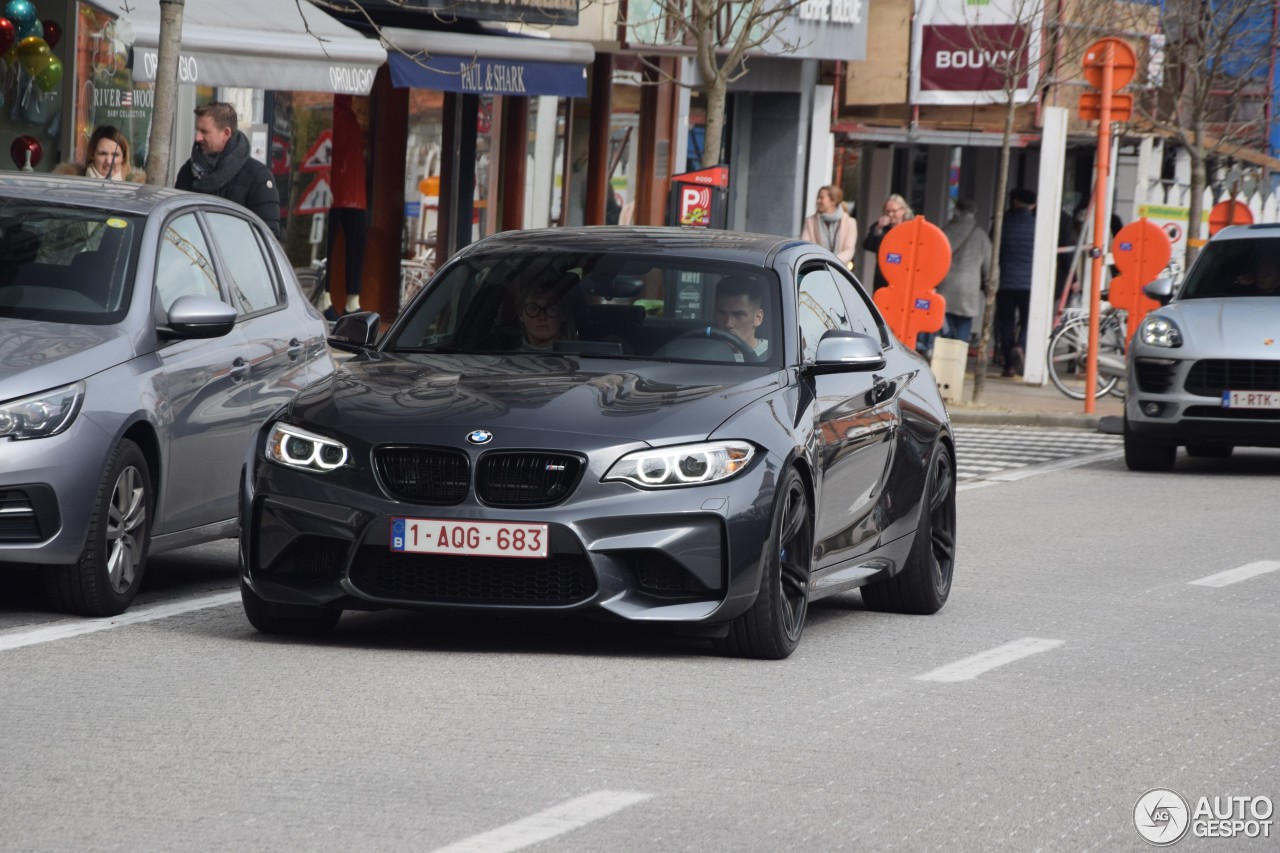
<point>23,146</point>
<point>21,12</point>
<point>52,33</point>
<point>35,28</point>
<point>33,53</point>
<point>8,35</point>
<point>50,76</point>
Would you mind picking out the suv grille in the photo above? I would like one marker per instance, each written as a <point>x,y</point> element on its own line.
<point>558,580</point>
<point>1154,377</point>
<point>428,475</point>
<point>526,479</point>
<point>1210,377</point>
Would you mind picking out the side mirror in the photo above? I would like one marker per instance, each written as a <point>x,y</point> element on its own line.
<point>198,317</point>
<point>1161,290</point>
<point>354,332</point>
<point>840,351</point>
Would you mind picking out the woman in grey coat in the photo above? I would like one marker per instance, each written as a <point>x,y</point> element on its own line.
<point>970,262</point>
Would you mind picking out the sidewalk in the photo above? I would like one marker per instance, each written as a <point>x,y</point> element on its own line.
<point>1012,402</point>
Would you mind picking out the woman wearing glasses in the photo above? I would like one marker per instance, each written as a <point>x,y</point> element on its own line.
<point>545,319</point>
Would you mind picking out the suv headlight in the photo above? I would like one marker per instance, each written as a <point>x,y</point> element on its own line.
<point>295,447</point>
<point>683,465</point>
<point>1159,332</point>
<point>41,415</point>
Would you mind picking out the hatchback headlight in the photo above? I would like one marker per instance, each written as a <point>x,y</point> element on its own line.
<point>1159,332</point>
<point>683,465</point>
<point>295,447</point>
<point>41,415</point>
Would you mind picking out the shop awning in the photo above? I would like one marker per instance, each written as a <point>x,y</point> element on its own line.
<point>487,64</point>
<point>258,44</point>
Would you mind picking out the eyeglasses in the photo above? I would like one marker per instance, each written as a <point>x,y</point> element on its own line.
<point>532,309</point>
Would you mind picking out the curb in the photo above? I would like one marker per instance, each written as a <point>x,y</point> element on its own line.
<point>971,417</point>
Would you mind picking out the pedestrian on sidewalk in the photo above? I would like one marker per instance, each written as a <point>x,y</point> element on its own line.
<point>220,165</point>
<point>832,226</point>
<point>965,283</point>
<point>1013,299</point>
<point>895,212</point>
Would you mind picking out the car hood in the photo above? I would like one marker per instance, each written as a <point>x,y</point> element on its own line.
<point>1239,327</point>
<point>36,356</point>
<point>391,399</point>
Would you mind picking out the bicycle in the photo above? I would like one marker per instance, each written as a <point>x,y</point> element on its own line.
<point>1069,351</point>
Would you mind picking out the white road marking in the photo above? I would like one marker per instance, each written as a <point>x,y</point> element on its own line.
<point>1240,573</point>
<point>975,665</point>
<point>547,824</point>
<point>1013,474</point>
<point>75,627</point>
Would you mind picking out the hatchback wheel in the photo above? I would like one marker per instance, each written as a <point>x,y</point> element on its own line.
<point>771,629</point>
<point>924,584</point>
<point>107,576</point>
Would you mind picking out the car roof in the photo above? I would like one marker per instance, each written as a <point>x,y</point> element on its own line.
<point>705,243</point>
<point>125,196</point>
<point>1262,230</point>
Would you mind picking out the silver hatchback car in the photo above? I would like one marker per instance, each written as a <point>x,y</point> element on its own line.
<point>145,334</point>
<point>1204,369</point>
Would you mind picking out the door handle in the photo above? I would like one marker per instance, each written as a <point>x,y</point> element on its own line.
<point>239,368</point>
<point>295,349</point>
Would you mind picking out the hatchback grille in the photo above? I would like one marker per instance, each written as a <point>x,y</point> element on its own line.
<point>428,475</point>
<point>526,479</point>
<point>1209,378</point>
<point>18,522</point>
<point>432,578</point>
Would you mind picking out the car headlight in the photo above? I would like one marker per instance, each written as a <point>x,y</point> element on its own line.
<point>683,465</point>
<point>1159,332</point>
<point>295,447</point>
<point>41,415</point>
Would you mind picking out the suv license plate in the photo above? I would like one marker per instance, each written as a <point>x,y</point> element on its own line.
<point>468,538</point>
<point>1251,399</point>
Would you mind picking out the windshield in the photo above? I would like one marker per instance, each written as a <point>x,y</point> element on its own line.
<point>1235,268</point>
<point>65,264</point>
<point>597,305</point>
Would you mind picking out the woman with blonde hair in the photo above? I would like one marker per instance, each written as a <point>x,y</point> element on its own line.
<point>895,212</point>
<point>832,226</point>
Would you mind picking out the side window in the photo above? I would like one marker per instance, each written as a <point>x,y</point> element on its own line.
<point>819,308</point>
<point>862,316</point>
<point>184,266</point>
<point>253,280</point>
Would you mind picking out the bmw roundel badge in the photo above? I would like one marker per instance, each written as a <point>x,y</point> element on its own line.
<point>479,436</point>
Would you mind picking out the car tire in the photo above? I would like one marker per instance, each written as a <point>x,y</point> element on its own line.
<point>924,584</point>
<point>1142,455</point>
<point>1210,451</point>
<point>771,629</point>
<point>106,578</point>
<point>298,620</point>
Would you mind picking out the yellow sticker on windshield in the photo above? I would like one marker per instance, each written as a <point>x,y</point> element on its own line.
<point>117,223</point>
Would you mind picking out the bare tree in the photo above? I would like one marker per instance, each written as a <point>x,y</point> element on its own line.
<point>723,35</point>
<point>166,92</point>
<point>1211,86</point>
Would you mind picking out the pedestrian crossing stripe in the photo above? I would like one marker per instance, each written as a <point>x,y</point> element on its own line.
<point>983,451</point>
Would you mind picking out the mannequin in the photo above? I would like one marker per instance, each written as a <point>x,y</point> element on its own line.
<point>348,213</point>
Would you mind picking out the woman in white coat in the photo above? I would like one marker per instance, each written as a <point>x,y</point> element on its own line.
<point>832,226</point>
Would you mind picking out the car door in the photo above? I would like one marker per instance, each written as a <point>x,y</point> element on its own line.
<point>204,404</point>
<point>283,340</point>
<point>855,414</point>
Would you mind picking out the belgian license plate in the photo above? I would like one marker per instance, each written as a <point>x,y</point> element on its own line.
<point>468,538</point>
<point>1251,399</point>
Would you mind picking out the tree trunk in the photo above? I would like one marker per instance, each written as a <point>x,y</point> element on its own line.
<point>166,92</point>
<point>1195,205</point>
<point>993,272</point>
<point>716,91</point>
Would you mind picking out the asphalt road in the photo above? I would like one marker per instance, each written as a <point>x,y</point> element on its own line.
<point>1078,665</point>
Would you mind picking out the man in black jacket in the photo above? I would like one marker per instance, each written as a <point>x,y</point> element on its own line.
<point>220,165</point>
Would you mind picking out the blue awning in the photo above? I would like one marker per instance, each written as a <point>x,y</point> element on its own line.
<point>487,65</point>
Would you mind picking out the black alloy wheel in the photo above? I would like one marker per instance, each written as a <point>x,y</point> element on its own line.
<point>771,629</point>
<point>924,584</point>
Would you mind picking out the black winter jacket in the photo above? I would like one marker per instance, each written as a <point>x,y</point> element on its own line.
<point>252,186</point>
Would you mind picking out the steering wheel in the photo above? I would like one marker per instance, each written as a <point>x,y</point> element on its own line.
<point>711,332</point>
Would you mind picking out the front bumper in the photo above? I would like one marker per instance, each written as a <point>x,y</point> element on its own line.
<point>1159,407</point>
<point>681,555</point>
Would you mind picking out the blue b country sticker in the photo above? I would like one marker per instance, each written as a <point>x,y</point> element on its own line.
<point>397,535</point>
<point>893,258</point>
<point>923,304</point>
<point>1126,247</point>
